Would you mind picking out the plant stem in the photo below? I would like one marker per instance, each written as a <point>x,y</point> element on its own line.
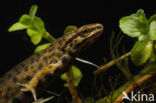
<point>111,63</point>
<point>72,88</point>
<point>48,37</point>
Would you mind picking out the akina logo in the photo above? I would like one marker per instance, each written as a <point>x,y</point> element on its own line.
<point>138,97</point>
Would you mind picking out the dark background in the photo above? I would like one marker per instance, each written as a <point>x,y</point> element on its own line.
<point>16,46</point>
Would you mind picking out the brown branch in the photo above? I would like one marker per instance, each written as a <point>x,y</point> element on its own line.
<point>111,63</point>
<point>72,88</point>
<point>133,86</point>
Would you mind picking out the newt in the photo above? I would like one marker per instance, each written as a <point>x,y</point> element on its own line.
<point>53,60</point>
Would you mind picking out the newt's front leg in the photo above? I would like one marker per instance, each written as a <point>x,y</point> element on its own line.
<point>31,85</point>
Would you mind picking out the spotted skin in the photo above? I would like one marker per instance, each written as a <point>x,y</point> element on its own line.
<point>54,59</point>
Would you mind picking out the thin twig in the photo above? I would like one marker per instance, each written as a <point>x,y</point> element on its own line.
<point>133,86</point>
<point>72,88</point>
<point>111,63</point>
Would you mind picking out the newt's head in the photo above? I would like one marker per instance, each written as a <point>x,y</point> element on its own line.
<point>82,37</point>
<point>87,34</point>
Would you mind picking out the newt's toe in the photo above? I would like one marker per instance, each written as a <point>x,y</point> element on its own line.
<point>28,87</point>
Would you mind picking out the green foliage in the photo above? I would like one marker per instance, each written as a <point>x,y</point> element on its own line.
<point>33,11</point>
<point>141,52</point>
<point>151,34</point>
<point>69,29</point>
<point>76,74</point>
<point>137,25</point>
<point>17,26</point>
<point>152,31</point>
<point>134,25</point>
<point>25,20</point>
<point>152,18</point>
<point>34,25</point>
<point>35,36</point>
<point>42,47</point>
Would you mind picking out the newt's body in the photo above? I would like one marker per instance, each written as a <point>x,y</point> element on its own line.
<point>52,60</point>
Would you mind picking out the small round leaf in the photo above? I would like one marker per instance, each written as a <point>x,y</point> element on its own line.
<point>42,47</point>
<point>76,76</point>
<point>69,28</point>
<point>130,26</point>
<point>25,20</point>
<point>17,26</point>
<point>141,52</point>
<point>36,38</point>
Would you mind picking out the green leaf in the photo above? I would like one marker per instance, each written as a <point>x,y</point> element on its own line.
<point>35,39</point>
<point>64,76</point>
<point>17,26</point>
<point>141,52</point>
<point>152,32</point>
<point>69,28</point>
<point>35,36</point>
<point>135,24</point>
<point>140,14</point>
<point>38,24</point>
<point>129,26</point>
<point>152,18</point>
<point>42,47</point>
<point>149,68</point>
<point>76,74</point>
<point>25,20</point>
<point>33,11</point>
<point>31,32</point>
<point>144,27</point>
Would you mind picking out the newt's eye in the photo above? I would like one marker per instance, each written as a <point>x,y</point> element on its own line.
<point>84,33</point>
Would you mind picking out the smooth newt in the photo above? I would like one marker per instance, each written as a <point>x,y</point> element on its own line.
<point>52,60</point>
